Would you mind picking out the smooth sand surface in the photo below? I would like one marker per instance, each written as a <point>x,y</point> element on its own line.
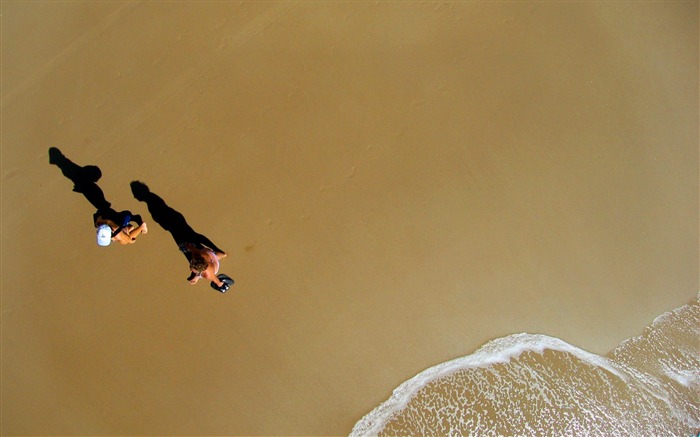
<point>395,184</point>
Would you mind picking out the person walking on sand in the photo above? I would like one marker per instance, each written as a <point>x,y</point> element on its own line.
<point>202,254</point>
<point>204,263</point>
<point>116,226</point>
<point>110,224</point>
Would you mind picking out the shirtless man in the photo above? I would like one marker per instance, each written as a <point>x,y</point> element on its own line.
<point>204,263</point>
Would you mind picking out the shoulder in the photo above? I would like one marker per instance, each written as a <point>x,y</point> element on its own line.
<point>103,221</point>
<point>206,253</point>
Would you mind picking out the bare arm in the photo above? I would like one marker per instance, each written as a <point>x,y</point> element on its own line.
<point>135,232</point>
<point>212,277</point>
<point>194,277</point>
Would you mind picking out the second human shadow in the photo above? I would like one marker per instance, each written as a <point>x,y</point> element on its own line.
<point>202,254</point>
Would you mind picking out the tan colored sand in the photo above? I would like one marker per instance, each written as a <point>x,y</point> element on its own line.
<point>395,183</point>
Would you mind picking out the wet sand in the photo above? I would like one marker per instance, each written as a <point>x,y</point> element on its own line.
<point>394,183</point>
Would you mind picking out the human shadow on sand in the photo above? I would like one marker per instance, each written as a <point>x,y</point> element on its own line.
<point>84,180</point>
<point>174,222</point>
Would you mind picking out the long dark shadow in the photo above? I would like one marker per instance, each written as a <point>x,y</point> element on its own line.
<point>84,178</point>
<point>189,242</point>
<point>170,219</point>
<point>111,225</point>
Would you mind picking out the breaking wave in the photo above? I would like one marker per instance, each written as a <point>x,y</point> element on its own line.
<point>528,384</point>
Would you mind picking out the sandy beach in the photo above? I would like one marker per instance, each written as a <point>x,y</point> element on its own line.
<point>394,184</point>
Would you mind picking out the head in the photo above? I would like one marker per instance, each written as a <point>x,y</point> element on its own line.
<point>198,264</point>
<point>92,173</point>
<point>104,235</point>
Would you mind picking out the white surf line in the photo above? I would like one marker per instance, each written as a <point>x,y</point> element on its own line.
<point>504,349</point>
<point>500,350</point>
<point>110,20</point>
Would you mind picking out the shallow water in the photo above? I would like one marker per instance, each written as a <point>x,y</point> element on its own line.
<point>527,384</point>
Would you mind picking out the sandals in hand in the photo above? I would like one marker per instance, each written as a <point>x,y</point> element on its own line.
<point>227,283</point>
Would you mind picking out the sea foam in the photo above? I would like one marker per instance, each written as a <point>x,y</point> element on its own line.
<point>537,384</point>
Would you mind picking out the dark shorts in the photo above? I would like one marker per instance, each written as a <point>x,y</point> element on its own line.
<point>122,218</point>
